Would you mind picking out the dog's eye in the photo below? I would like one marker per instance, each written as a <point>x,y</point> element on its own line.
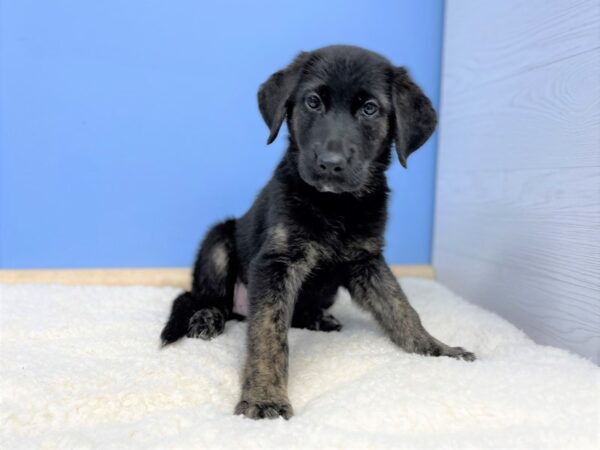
<point>313,102</point>
<point>370,108</point>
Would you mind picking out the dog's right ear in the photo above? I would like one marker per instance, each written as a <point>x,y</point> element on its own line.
<point>274,94</point>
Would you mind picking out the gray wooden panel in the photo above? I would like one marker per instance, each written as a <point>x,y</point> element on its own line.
<point>517,225</point>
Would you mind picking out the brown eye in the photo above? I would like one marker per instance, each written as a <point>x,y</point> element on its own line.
<point>370,108</point>
<point>313,102</point>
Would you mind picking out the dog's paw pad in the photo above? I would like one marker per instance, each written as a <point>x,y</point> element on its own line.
<point>264,410</point>
<point>206,324</point>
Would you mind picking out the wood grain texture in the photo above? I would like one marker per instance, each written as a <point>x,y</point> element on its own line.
<point>172,276</point>
<point>517,224</point>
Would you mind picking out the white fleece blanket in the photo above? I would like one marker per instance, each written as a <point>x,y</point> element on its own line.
<point>81,368</point>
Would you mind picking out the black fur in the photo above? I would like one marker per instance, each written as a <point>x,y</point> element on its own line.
<point>319,222</point>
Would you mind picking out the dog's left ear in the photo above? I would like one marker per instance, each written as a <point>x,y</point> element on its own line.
<point>274,94</point>
<point>415,118</point>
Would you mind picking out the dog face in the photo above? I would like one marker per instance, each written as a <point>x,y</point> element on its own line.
<point>345,106</point>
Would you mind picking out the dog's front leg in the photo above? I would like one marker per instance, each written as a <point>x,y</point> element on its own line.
<point>373,286</point>
<point>273,285</point>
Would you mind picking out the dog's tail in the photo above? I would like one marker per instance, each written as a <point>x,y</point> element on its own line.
<point>214,278</point>
<point>177,326</point>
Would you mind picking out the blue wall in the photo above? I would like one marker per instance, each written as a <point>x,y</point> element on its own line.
<point>128,127</point>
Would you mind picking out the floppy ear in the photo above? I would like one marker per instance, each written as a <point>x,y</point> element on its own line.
<point>415,118</point>
<point>273,94</point>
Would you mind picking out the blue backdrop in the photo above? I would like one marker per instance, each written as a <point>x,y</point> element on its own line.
<point>128,127</point>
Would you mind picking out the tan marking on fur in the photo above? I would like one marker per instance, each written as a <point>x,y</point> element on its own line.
<point>279,237</point>
<point>372,245</point>
<point>297,273</point>
<point>220,258</point>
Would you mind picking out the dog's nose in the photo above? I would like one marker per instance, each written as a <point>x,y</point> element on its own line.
<point>331,163</point>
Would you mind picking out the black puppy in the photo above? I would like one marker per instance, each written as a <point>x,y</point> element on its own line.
<point>319,222</point>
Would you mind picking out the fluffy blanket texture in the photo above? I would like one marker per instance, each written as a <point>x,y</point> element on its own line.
<point>81,368</point>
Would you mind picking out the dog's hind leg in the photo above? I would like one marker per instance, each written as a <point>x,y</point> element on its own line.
<point>203,311</point>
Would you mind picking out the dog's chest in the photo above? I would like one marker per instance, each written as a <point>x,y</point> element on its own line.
<point>344,247</point>
<point>341,231</point>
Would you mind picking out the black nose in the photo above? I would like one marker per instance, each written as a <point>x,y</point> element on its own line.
<point>331,163</point>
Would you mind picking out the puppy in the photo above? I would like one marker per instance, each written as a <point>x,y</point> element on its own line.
<point>317,225</point>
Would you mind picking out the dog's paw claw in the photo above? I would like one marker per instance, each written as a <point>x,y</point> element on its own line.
<point>264,410</point>
<point>461,353</point>
<point>206,324</point>
<point>452,352</point>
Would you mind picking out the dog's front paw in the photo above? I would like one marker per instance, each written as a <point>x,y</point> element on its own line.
<point>461,353</point>
<point>264,410</point>
<point>457,352</point>
<point>206,323</point>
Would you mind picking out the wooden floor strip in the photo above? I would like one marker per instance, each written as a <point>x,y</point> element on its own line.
<point>173,276</point>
